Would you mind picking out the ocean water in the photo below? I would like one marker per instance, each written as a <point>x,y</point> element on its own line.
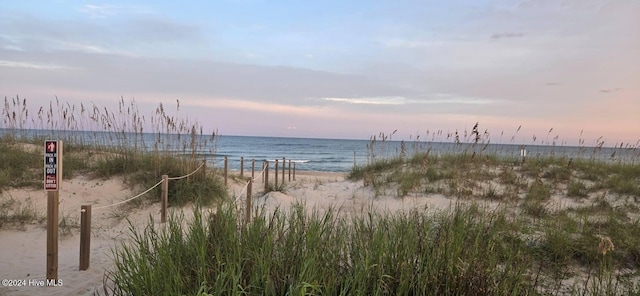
<point>331,155</point>
<point>337,155</point>
<point>308,154</point>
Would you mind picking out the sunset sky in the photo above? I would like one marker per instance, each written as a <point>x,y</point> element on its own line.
<point>339,69</point>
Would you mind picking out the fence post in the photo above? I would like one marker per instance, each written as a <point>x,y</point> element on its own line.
<point>54,150</point>
<point>276,187</point>
<point>164,198</point>
<point>284,164</point>
<point>289,170</point>
<point>266,176</point>
<point>253,167</point>
<point>241,166</point>
<point>225,170</point>
<point>294,171</point>
<point>85,236</point>
<point>53,198</point>
<point>249,194</point>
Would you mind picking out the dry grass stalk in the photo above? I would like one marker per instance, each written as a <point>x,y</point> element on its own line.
<point>605,245</point>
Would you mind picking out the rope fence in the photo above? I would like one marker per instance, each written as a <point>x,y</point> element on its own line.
<point>85,214</point>
<point>251,180</point>
<point>189,174</point>
<point>85,211</point>
<point>264,176</point>
<point>128,200</point>
<point>148,190</point>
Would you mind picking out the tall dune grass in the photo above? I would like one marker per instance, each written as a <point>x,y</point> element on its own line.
<point>477,142</point>
<point>462,251</point>
<point>102,142</point>
<point>566,207</point>
<point>465,250</point>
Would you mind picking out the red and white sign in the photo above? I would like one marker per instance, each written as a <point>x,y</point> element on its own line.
<point>51,165</point>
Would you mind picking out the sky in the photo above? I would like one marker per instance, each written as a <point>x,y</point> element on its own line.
<point>521,69</point>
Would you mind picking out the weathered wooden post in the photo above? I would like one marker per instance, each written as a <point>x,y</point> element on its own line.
<point>164,198</point>
<point>266,176</point>
<point>249,194</point>
<point>226,166</point>
<point>85,236</point>
<point>276,169</point>
<point>289,170</point>
<point>52,183</point>
<point>241,166</point>
<point>294,171</point>
<point>284,164</point>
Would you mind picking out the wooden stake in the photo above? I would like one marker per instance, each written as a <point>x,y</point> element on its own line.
<point>164,198</point>
<point>284,164</point>
<point>276,187</point>
<point>249,194</point>
<point>226,166</point>
<point>52,234</point>
<point>266,176</point>
<point>241,166</point>
<point>289,170</point>
<point>85,236</point>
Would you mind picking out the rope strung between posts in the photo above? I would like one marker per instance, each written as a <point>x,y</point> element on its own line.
<point>244,190</point>
<point>147,191</point>
<point>130,199</point>
<point>187,175</point>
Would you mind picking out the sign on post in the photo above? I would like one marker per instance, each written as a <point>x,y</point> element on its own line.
<point>51,179</point>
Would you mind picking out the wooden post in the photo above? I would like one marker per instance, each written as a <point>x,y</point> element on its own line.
<point>289,170</point>
<point>294,171</point>
<point>52,234</point>
<point>241,166</point>
<point>284,164</point>
<point>253,168</point>
<point>266,176</point>
<point>164,198</point>
<point>225,170</point>
<point>276,187</point>
<point>53,170</point>
<point>85,236</point>
<point>249,194</point>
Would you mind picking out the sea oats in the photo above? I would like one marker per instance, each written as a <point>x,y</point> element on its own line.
<point>605,245</point>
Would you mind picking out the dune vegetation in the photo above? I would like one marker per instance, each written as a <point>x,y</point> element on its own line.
<point>101,144</point>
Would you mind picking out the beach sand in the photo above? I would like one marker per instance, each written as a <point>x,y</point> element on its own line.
<point>23,249</point>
